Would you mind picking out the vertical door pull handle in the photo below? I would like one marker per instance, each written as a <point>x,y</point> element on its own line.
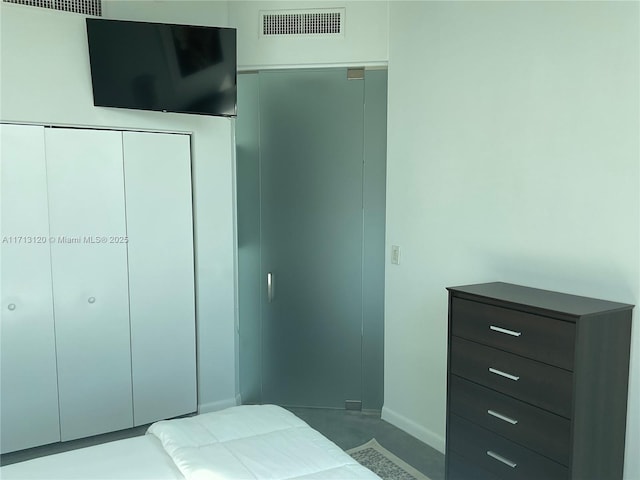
<point>270,287</point>
<point>505,331</point>
<point>504,374</point>
<point>510,420</point>
<point>500,458</point>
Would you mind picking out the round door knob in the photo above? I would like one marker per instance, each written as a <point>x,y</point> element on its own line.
<point>92,300</point>
<point>11,306</point>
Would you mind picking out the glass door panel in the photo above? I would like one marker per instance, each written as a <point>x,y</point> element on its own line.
<point>311,178</point>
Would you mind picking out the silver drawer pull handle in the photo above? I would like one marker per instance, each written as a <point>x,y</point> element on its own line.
<point>500,458</point>
<point>510,420</point>
<point>504,330</point>
<point>504,374</point>
<point>270,287</point>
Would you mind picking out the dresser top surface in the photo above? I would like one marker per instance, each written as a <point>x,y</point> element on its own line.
<point>573,305</point>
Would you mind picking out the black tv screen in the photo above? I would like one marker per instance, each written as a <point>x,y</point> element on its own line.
<point>163,67</point>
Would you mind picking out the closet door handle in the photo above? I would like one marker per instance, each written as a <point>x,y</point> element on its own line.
<point>504,374</point>
<point>502,459</point>
<point>505,331</point>
<point>270,290</point>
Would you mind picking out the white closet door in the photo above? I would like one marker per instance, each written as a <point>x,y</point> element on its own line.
<point>28,391</point>
<point>161,274</point>
<point>90,288</point>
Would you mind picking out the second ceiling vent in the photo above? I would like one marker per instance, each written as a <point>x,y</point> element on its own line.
<point>320,22</point>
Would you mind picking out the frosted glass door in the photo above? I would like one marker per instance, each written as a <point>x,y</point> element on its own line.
<point>28,391</point>
<point>311,147</point>
<point>161,275</point>
<point>90,287</point>
<point>250,281</point>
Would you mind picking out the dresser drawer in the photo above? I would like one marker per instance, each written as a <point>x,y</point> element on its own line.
<point>530,381</point>
<point>532,427</point>
<point>540,338</point>
<point>458,468</point>
<point>499,456</point>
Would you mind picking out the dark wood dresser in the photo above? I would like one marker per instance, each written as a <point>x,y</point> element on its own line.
<point>537,384</point>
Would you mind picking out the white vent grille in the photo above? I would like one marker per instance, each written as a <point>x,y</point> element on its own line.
<point>302,22</point>
<point>86,7</point>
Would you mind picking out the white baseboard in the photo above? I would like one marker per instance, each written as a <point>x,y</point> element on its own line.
<point>219,405</point>
<point>412,428</point>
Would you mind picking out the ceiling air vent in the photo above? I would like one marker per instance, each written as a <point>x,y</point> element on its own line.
<point>86,7</point>
<point>319,22</point>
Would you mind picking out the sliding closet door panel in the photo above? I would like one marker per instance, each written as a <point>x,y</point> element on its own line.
<point>161,274</point>
<point>28,391</point>
<point>90,287</point>
<point>311,131</point>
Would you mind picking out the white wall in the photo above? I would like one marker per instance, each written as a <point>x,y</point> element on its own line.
<point>512,155</point>
<point>45,79</point>
<point>364,42</point>
<point>188,12</point>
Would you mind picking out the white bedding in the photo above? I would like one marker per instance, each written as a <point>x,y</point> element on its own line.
<point>247,442</point>
<point>253,442</point>
<point>137,458</point>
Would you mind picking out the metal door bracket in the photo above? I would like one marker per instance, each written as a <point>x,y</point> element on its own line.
<point>355,73</point>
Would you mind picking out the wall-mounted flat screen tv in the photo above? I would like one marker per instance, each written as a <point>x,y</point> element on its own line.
<point>163,67</point>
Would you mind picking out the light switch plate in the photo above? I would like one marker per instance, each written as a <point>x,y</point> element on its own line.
<point>395,254</point>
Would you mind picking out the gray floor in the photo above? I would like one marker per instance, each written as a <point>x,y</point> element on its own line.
<point>345,428</point>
